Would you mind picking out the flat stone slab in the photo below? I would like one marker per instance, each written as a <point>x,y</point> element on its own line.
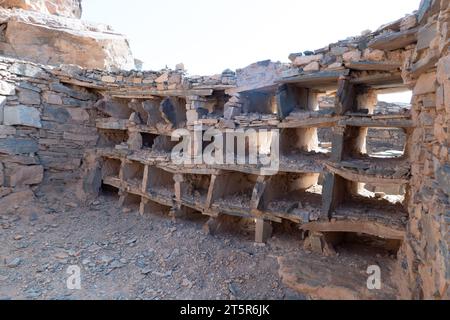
<point>13,146</point>
<point>22,115</point>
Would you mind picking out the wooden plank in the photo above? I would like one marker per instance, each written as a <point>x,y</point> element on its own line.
<point>345,97</point>
<point>333,193</point>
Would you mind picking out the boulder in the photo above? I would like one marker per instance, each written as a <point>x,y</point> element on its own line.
<point>65,8</point>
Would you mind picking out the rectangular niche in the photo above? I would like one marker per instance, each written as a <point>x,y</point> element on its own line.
<point>386,142</point>
<point>133,173</point>
<point>352,200</point>
<point>111,168</point>
<point>372,143</point>
<point>215,104</point>
<point>160,183</point>
<point>294,196</point>
<point>167,112</point>
<point>300,140</point>
<point>194,189</point>
<point>233,193</point>
<point>111,138</point>
<point>260,102</point>
<point>160,144</point>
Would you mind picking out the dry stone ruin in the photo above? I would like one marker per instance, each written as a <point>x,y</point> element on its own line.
<point>74,111</point>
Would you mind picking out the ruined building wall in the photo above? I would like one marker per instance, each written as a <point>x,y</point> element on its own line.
<point>109,126</point>
<point>45,125</point>
<point>426,257</point>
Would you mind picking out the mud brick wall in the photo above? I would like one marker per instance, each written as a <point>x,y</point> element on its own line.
<point>45,126</point>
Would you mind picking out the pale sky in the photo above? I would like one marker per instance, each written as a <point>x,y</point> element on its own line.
<point>209,36</point>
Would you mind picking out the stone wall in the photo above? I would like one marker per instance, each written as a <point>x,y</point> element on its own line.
<point>48,120</point>
<point>45,125</point>
<point>426,259</point>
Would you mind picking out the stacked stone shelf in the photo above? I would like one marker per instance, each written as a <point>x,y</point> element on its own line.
<point>377,121</point>
<point>373,171</point>
<point>357,214</point>
<point>313,187</point>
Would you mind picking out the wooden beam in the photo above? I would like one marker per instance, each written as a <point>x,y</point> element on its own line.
<point>334,190</point>
<point>345,97</point>
<point>263,231</point>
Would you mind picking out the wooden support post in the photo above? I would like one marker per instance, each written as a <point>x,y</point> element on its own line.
<point>143,205</point>
<point>257,194</point>
<point>285,101</point>
<point>290,97</point>
<point>178,179</point>
<point>263,231</point>
<point>345,97</point>
<point>348,141</point>
<point>338,142</point>
<point>334,190</point>
<point>213,191</point>
<point>122,198</point>
<point>145,179</point>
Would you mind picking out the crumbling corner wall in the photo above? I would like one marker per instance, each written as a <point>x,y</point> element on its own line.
<point>426,259</point>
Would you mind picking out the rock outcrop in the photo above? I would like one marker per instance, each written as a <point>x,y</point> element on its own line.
<point>64,8</point>
<point>53,40</point>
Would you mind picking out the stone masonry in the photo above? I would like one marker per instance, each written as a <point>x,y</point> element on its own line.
<point>83,116</point>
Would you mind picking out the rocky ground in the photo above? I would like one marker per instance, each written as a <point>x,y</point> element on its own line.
<point>125,256</point>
